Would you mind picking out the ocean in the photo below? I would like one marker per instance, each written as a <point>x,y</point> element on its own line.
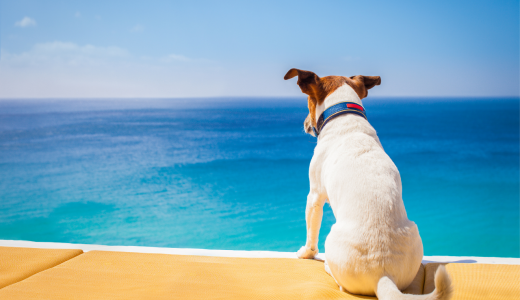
<point>233,173</point>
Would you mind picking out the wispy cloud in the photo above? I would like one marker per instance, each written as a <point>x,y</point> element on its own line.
<point>174,57</point>
<point>65,69</point>
<point>77,14</point>
<point>63,54</point>
<point>25,22</point>
<point>137,28</point>
<point>71,54</point>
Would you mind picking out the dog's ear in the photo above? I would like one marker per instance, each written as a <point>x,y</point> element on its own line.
<point>307,80</point>
<point>371,81</point>
<point>362,84</point>
<point>368,81</point>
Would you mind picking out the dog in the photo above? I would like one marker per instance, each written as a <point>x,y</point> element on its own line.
<point>372,249</point>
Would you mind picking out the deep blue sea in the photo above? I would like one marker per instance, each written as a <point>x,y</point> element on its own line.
<point>233,173</point>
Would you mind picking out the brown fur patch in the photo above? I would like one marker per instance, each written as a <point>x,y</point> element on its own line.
<point>361,84</point>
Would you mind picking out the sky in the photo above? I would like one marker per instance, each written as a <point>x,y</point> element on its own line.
<point>107,49</point>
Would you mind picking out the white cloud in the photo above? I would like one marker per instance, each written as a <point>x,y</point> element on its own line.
<point>62,54</point>
<point>174,57</point>
<point>25,22</point>
<point>137,28</point>
<point>63,69</point>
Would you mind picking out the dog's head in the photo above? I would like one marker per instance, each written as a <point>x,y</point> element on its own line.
<point>318,89</point>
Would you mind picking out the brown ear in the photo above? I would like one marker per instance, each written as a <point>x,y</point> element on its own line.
<point>371,81</point>
<point>361,84</point>
<point>307,80</point>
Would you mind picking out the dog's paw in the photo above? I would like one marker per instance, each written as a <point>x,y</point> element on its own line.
<point>306,253</point>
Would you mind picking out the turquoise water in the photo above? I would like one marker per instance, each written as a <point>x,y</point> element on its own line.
<point>232,173</point>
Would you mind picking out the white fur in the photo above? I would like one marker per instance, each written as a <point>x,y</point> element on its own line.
<point>372,239</point>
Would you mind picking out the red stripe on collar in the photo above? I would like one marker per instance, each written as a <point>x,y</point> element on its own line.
<point>353,105</point>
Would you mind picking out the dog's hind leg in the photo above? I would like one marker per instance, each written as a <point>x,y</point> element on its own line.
<point>327,269</point>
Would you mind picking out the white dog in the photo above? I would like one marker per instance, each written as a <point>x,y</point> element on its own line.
<point>373,249</point>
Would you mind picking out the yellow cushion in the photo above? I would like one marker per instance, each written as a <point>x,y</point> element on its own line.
<point>120,275</point>
<point>478,281</point>
<point>19,263</point>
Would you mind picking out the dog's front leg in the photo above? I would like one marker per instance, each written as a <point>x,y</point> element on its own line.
<point>313,216</point>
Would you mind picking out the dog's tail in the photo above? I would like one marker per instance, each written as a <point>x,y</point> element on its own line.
<point>387,290</point>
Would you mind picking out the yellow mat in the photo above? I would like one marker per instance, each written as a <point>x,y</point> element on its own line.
<point>119,275</point>
<point>19,263</point>
<point>53,274</point>
<point>478,281</point>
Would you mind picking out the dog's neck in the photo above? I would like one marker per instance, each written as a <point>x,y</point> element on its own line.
<point>342,94</point>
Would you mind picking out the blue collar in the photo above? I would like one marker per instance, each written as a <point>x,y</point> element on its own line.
<point>337,110</point>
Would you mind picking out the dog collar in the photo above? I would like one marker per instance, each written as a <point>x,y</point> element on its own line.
<point>337,110</point>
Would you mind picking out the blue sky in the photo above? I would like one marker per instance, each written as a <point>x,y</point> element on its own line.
<point>243,48</point>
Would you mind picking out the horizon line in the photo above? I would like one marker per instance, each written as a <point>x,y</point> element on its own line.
<point>246,97</point>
